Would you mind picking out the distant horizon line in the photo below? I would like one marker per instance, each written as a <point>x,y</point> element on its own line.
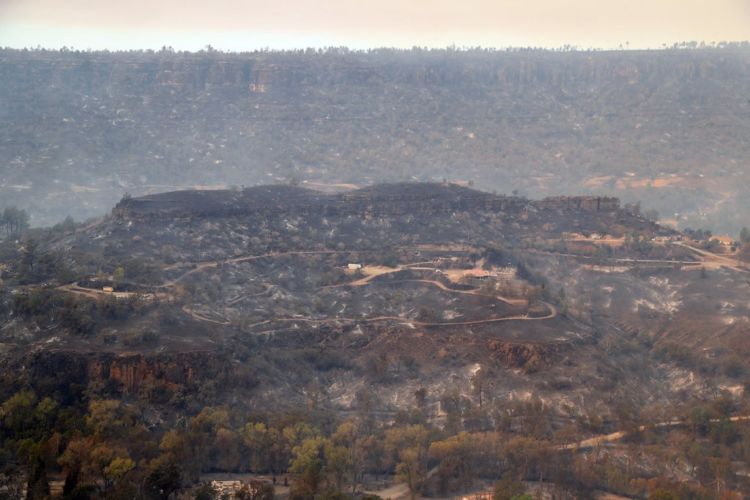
<point>568,48</point>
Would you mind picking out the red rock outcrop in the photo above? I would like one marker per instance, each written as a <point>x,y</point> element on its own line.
<point>526,355</point>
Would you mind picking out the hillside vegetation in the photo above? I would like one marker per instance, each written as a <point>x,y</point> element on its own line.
<point>397,340</point>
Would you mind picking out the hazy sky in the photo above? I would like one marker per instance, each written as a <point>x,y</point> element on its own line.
<point>249,24</point>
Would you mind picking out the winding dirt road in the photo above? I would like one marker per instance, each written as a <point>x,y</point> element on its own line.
<point>714,259</point>
<point>401,490</point>
<point>412,267</point>
<point>552,310</point>
<point>512,302</point>
<point>616,436</point>
<point>201,266</point>
<point>552,313</point>
<point>200,317</point>
<point>707,259</point>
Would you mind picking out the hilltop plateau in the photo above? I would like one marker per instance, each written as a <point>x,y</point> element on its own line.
<point>398,306</point>
<point>394,285</point>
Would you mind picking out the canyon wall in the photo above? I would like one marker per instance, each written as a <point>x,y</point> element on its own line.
<point>80,129</point>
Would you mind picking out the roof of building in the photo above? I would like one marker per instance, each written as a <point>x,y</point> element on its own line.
<point>726,240</point>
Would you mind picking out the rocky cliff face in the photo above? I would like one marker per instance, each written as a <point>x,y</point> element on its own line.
<point>530,356</point>
<point>130,373</point>
<point>134,372</point>
<point>266,72</point>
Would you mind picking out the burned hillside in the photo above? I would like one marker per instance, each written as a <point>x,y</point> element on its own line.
<point>275,218</point>
<point>401,304</point>
<point>79,129</point>
<point>265,273</point>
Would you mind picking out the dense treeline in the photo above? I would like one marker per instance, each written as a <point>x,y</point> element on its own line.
<point>14,220</point>
<point>106,448</point>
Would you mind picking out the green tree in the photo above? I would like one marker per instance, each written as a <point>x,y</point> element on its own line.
<point>508,488</point>
<point>227,454</point>
<point>110,419</point>
<point>164,478</point>
<point>522,455</point>
<point>407,448</point>
<point>338,464</point>
<point>73,460</point>
<point>455,457</point>
<point>451,404</point>
<point>259,440</point>
<point>118,275</point>
<point>38,487</point>
<point>411,470</point>
<point>15,221</point>
<point>307,464</point>
<point>17,413</point>
<point>205,492</point>
<point>651,215</point>
<point>347,437</point>
<point>662,494</point>
<point>118,468</point>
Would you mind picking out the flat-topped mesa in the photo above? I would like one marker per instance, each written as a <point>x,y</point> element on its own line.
<point>377,200</point>
<point>217,203</point>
